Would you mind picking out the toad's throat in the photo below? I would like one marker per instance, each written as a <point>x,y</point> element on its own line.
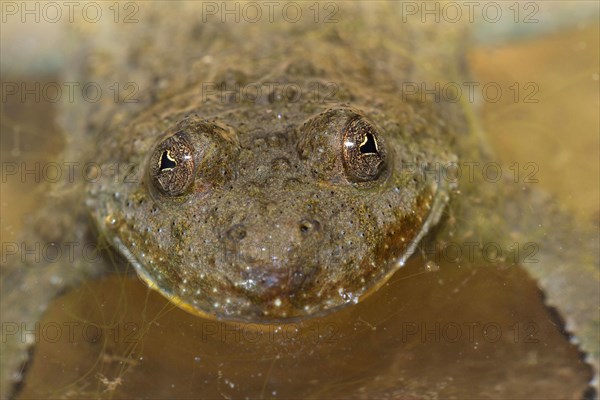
<point>266,292</point>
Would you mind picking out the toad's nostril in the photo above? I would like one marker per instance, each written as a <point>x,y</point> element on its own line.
<point>237,232</point>
<point>308,226</point>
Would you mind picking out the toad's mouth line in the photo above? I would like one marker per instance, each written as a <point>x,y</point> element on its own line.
<point>441,198</point>
<point>145,276</point>
<point>439,201</point>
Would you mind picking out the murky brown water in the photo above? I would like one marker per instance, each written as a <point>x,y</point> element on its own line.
<point>458,333</point>
<point>454,333</point>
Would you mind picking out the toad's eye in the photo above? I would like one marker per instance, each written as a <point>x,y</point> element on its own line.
<point>363,151</point>
<point>172,165</point>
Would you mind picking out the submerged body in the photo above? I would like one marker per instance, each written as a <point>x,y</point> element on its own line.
<point>280,179</point>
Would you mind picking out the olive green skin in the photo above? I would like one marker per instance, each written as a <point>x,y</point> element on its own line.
<point>279,220</point>
<point>275,221</point>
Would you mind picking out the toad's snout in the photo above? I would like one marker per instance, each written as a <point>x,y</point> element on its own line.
<point>274,256</point>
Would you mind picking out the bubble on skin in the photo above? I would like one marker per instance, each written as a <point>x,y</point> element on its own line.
<point>348,297</point>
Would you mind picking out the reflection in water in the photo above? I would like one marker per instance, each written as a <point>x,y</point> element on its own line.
<point>454,332</point>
